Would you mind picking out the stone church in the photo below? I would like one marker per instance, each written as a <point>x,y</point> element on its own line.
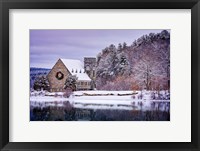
<point>65,67</point>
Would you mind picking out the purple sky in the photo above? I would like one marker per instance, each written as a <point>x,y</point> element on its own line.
<point>47,46</point>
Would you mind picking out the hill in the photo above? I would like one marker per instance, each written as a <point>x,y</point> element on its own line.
<point>143,65</point>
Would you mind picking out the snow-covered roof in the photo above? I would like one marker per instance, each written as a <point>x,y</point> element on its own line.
<point>76,67</point>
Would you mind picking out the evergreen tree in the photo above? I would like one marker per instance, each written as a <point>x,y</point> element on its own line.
<point>71,83</point>
<point>41,83</point>
<point>124,45</point>
<point>119,47</point>
<point>146,63</point>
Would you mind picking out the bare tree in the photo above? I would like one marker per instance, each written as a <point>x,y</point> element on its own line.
<point>145,70</point>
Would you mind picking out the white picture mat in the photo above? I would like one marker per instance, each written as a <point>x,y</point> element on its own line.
<point>178,129</point>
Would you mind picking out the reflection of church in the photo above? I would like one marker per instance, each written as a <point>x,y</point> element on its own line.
<point>63,68</point>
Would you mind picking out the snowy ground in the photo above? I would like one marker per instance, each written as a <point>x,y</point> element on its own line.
<point>126,100</point>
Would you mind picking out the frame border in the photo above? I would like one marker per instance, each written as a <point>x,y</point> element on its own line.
<point>5,5</point>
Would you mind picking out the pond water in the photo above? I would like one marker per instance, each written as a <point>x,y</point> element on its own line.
<point>65,111</point>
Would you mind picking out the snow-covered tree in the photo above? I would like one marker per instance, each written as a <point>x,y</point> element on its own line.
<point>122,65</point>
<point>71,83</point>
<point>134,43</point>
<point>41,83</point>
<point>146,70</point>
<point>99,57</point>
<point>124,45</point>
<point>119,47</point>
<point>164,34</point>
<point>112,48</point>
<point>146,63</point>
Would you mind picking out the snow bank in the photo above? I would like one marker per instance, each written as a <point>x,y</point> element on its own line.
<point>96,92</point>
<point>84,93</point>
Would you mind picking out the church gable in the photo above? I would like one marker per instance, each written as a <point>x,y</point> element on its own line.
<point>61,71</point>
<point>57,76</point>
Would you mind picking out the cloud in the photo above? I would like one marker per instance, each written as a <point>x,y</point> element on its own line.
<point>46,46</point>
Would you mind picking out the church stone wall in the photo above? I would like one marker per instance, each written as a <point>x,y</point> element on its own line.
<point>56,85</point>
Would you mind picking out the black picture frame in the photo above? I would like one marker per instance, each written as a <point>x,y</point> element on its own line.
<point>5,5</point>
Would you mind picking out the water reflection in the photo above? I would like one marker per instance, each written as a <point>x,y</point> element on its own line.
<point>66,111</point>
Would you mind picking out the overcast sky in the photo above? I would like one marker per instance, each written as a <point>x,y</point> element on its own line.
<point>47,46</point>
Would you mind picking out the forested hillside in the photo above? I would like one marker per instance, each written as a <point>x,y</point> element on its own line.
<point>143,65</point>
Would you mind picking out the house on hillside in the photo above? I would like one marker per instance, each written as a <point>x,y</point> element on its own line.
<point>63,69</point>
